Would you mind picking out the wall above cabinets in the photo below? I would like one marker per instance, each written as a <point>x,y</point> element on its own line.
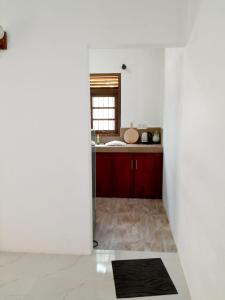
<point>141,82</point>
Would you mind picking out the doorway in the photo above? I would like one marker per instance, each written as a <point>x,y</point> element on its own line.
<point>129,211</point>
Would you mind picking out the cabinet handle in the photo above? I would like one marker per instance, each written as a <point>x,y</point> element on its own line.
<point>131,164</point>
<point>136,164</point>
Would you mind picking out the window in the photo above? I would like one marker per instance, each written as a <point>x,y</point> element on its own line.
<point>105,103</point>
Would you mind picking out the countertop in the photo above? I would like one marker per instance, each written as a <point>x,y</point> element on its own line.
<point>132,148</point>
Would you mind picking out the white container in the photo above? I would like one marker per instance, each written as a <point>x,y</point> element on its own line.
<point>144,137</point>
<point>156,137</point>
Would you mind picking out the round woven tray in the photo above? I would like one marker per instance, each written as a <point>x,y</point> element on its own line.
<point>131,136</point>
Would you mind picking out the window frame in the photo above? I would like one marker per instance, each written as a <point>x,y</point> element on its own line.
<point>108,92</point>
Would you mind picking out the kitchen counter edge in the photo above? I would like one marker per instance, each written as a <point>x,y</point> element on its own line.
<point>131,148</point>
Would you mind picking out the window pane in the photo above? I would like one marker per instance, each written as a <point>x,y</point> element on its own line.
<point>103,113</point>
<point>106,101</point>
<point>96,113</point>
<point>95,125</point>
<point>111,113</point>
<point>111,125</point>
<point>101,101</point>
<point>95,102</point>
<point>111,101</point>
<point>106,125</point>
<point>101,125</point>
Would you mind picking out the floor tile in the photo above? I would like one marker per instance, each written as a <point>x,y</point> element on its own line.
<point>62,277</point>
<point>133,224</point>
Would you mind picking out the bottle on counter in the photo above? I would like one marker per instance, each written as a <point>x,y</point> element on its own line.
<point>98,139</point>
<point>156,137</point>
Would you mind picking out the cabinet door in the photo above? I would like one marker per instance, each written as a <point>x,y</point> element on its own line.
<point>104,175</point>
<point>123,175</point>
<point>148,175</point>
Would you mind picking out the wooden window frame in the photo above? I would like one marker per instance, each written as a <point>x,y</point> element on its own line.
<point>108,92</point>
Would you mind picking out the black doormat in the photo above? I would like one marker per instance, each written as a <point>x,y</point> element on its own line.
<point>141,278</point>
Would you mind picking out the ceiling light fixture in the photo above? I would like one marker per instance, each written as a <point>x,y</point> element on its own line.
<point>3,39</point>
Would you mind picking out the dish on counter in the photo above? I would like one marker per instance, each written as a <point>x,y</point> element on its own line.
<point>115,143</point>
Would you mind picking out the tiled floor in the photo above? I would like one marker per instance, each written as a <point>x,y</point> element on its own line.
<point>61,277</point>
<point>133,224</point>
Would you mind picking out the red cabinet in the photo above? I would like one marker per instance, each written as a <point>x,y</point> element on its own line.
<point>104,175</point>
<point>122,175</point>
<point>129,175</point>
<point>148,175</point>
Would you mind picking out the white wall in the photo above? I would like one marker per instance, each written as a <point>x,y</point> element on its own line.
<point>193,7</point>
<point>172,132</point>
<point>141,83</point>
<point>45,189</point>
<point>195,194</point>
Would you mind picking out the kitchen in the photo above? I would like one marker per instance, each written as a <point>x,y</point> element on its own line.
<point>126,115</point>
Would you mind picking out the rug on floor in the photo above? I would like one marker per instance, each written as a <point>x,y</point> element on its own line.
<point>141,278</point>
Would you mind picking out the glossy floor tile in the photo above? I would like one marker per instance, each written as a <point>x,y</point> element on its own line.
<point>133,224</point>
<point>61,277</point>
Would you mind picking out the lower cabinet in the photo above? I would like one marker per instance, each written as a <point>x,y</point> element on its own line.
<point>129,175</point>
<point>148,175</point>
<point>104,175</point>
<point>122,175</point>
